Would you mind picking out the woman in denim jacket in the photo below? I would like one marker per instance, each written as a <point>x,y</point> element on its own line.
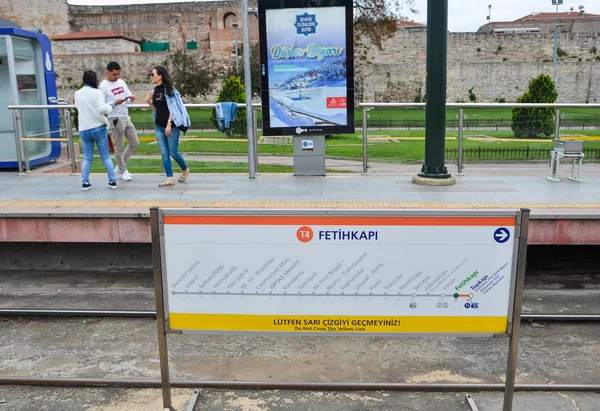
<point>170,117</point>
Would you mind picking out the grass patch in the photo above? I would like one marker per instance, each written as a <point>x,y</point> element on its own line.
<point>196,114</point>
<point>345,146</point>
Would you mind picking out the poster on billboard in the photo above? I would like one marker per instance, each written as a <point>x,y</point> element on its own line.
<point>307,73</point>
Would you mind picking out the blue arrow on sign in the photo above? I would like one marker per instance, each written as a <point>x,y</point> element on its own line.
<point>501,235</point>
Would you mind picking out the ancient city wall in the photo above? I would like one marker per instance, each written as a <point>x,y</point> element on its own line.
<point>151,21</point>
<point>491,66</point>
<point>72,47</point>
<point>136,70</point>
<point>49,15</point>
<point>488,66</point>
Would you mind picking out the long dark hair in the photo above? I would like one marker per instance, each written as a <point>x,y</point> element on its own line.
<point>168,83</point>
<point>90,78</point>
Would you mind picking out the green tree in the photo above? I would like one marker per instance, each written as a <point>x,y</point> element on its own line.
<point>254,68</point>
<point>533,122</point>
<point>233,91</point>
<point>377,19</point>
<point>192,74</point>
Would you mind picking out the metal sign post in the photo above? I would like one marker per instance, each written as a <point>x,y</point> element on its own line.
<point>513,350</point>
<point>340,272</point>
<point>157,232</point>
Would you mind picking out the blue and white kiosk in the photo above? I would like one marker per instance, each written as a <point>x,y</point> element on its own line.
<point>27,78</point>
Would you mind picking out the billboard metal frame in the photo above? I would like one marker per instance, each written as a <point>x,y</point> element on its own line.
<point>263,6</point>
<point>515,294</point>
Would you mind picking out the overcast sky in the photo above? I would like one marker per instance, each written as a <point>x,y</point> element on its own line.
<point>463,15</point>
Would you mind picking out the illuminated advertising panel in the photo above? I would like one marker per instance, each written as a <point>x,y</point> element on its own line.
<point>306,67</point>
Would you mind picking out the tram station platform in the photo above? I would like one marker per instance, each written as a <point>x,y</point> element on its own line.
<point>51,207</point>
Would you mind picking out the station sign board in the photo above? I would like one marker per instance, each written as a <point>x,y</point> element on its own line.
<point>339,271</point>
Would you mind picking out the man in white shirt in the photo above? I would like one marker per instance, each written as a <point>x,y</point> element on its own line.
<point>116,92</point>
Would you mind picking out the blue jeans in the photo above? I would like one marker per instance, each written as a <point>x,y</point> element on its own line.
<point>100,136</point>
<point>169,148</point>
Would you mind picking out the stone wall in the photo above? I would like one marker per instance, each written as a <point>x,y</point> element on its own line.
<point>72,47</point>
<point>136,69</point>
<point>491,66</point>
<point>572,25</point>
<point>49,15</point>
<point>208,23</point>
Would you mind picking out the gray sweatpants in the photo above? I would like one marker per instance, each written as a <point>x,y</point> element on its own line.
<point>121,128</point>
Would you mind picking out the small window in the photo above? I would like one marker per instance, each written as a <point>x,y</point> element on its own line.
<point>228,20</point>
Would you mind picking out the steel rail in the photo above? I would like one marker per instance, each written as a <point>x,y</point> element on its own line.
<point>76,313</point>
<point>279,385</point>
<point>152,314</point>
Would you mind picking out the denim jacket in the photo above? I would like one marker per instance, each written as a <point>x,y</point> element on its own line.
<point>177,110</point>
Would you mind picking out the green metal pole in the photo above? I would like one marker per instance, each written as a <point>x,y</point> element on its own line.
<point>435,109</point>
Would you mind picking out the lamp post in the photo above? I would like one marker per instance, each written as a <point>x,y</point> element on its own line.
<point>235,26</point>
<point>489,17</point>
<point>556,25</point>
<point>253,11</point>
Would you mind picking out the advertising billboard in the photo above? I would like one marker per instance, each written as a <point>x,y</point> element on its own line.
<point>307,67</point>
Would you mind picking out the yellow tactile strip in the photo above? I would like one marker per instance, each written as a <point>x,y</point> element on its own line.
<point>297,204</point>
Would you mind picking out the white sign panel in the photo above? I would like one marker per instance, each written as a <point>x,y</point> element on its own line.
<point>315,273</point>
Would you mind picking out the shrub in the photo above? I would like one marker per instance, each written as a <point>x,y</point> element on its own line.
<point>472,96</point>
<point>192,75</point>
<point>233,90</point>
<point>532,122</point>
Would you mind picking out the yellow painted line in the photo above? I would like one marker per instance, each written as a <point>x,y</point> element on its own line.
<point>294,205</point>
<point>402,138</point>
<point>358,324</point>
<point>580,137</point>
<point>224,140</point>
<point>506,140</point>
<point>43,139</point>
<point>492,139</point>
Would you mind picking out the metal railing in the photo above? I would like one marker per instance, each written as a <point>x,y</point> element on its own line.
<point>66,111</point>
<point>461,117</point>
<point>19,124</point>
<point>461,126</point>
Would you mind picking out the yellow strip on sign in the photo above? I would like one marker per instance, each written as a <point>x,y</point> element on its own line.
<point>336,323</point>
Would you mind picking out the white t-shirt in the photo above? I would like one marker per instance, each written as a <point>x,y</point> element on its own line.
<point>112,91</point>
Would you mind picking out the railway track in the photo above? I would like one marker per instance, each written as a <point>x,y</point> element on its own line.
<point>113,320</point>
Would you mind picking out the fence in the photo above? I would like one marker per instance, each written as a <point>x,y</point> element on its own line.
<point>475,124</point>
<point>523,153</point>
<point>461,124</point>
<point>66,115</point>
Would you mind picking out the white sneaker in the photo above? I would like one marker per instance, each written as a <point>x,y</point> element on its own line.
<point>126,176</point>
<point>117,170</point>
